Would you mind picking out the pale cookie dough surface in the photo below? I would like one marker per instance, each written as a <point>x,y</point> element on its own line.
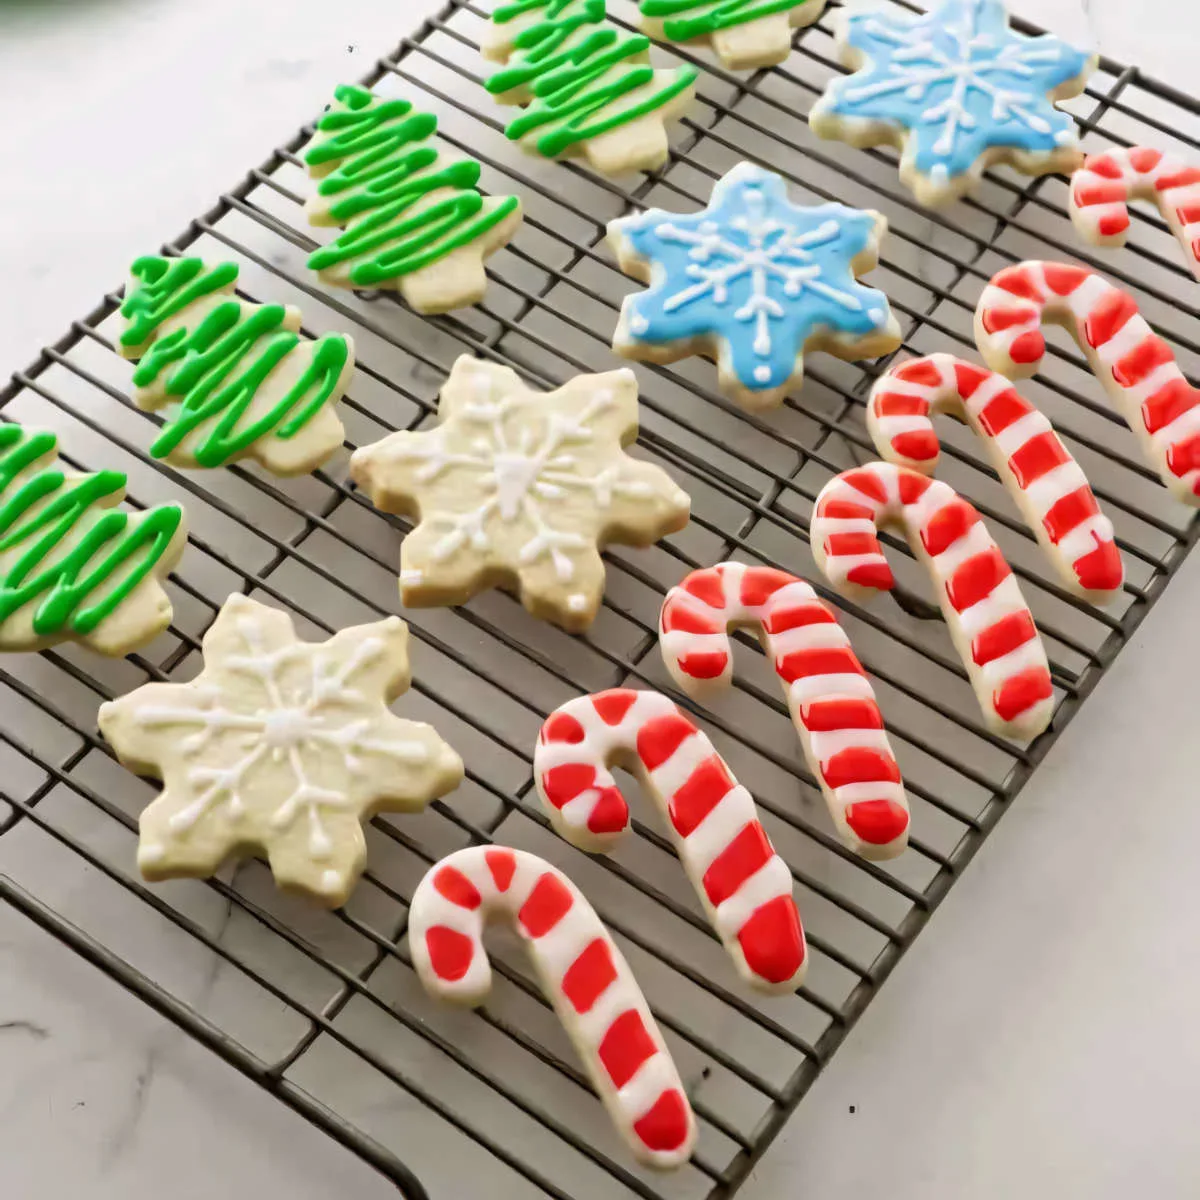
<point>579,78</point>
<point>518,488</point>
<point>279,747</point>
<point>955,90</point>
<point>412,217</point>
<point>239,379</point>
<point>74,566</point>
<point>755,282</point>
<point>744,33</point>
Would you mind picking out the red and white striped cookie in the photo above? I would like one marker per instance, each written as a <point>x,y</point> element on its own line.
<point>745,887</point>
<point>830,698</point>
<point>1102,188</point>
<point>1135,365</point>
<point>1047,483</point>
<point>584,974</point>
<point>987,616</point>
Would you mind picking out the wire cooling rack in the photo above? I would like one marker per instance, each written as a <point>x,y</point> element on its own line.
<point>323,1009</point>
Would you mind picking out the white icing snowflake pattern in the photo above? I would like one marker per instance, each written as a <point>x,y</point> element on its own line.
<point>520,482</point>
<point>278,744</point>
<point>958,79</point>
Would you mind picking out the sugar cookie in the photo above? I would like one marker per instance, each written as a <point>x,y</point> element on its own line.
<point>955,90</point>
<point>581,970</point>
<point>411,216</point>
<point>73,564</point>
<point>516,487</point>
<point>755,282</point>
<point>279,747</point>
<point>246,383</point>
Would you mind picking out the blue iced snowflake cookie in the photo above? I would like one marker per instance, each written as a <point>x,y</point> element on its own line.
<point>956,90</point>
<point>753,281</point>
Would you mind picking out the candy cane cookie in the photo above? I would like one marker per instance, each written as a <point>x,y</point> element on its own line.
<point>745,887</point>
<point>1046,482</point>
<point>830,698</point>
<point>1135,365</point>
<point>987,616</point>
<point>581,970</point>
<point>1102,188</point>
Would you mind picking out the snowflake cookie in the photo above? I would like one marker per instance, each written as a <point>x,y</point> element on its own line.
<point>755,282</point>
<point>956,90</point>
<point>516,487</point>
<point>279,746</point>
<point>744,33</point>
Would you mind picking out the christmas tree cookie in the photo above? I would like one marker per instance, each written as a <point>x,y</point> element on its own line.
<point>588,87</point>
<point>241,380</point>
<point>410,214</point>
<point>744,33</point>
<point>72,564</point>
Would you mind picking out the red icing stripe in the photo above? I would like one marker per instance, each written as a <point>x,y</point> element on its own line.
<point>1168,403</point>
<point>707,664</point>
<point>1104,164</point>
<point>1072,510</point>
<point>1022,692</point>
<point>947,525</point>
<point>1188,214</point>
<point>773,941</point>
<point>699,794</point>
<point>1028,348</point>
<point>707,586</point>
<point>1184,456</point>
<point>1038,456</point>
<point>840,712</point>
<point>614,704</point>
<point>450,952</point>
<point>1108,318</point>
<point>660,737</point>
<point>1018,281</point>
<point>1002,410</point>
<point>1111,224</point>
<point>564,782</point>
<point>1183,178</point>
<point>977,578</point>
<point>1101,569</point>
<point>609,812</point>
<point>872,575</point>
<point>502,864</point>
<point>919,370</point>
<point>1003,637</point>
<point>456,887</point>
<point>1061,279</point>
<point>587,978</point>
<point>860,764</point>
<point>877,822</point>
<point>1144,158</point>
<point>759,584</point>
<point>1087,194</point>
<point>625,1046</point>
<point>678,614</point>
<point>800,664</point>
<point>1148,354</point>
<point>807,612</point>
<point>896,404</point>
<point>665,1126</point>
<point>546,905</point>
<point>748,852</point>
<point>996,320</point>
<point>839,545</point>
<point>844,510</point>
<point>969,378</point>
<point>867,483</point>
<point>917,444</point>
<point>562,727</point>
<point>913,486</point>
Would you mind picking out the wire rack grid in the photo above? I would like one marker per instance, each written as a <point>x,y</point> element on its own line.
<point>323,1009</point>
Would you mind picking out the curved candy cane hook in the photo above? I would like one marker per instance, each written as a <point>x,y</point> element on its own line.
<point>746,888</point>
<point>1135,365</point>
<point>584,974</point>
<point>987,616</point>
<point>1048,485</point>
<point>1102,188</point>
<point>830,698</point>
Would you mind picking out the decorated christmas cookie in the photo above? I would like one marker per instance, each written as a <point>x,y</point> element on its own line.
<point>956,90</point>
<point>745,887</point>
<point>1046,482</point>
<point>587,86</point>
<point>411,216</point>
<point>520,487</point>
<point>1134,365</point>
<point>985,613</point>
<point>744,33</point>
<point>73,564</point>
<point>1102,188</point>
<point>278,747</point>
<point>755,282</point>
<point>581,970</point>
<point>240,379</point>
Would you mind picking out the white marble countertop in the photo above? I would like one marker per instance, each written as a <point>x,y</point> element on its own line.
<point>1039,1038</point>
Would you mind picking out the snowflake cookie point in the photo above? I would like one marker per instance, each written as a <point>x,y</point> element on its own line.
<point>520,489</point>
<point>280,747</point>
<point>956,89</point>
<point>753,281</point>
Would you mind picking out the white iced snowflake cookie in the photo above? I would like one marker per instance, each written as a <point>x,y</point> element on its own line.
<point>955,90</point>
<point>280,747</point>
<point>755,282</point>
<point>517,487</point>
<point>744,33</point>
